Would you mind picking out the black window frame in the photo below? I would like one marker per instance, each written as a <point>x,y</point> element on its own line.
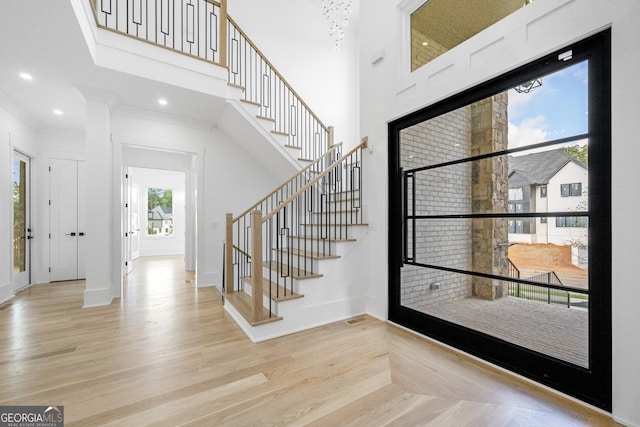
<point>592,384</point>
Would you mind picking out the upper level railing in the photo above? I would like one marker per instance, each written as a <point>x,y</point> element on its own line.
<point>191,27</point>
<point>202,29</point>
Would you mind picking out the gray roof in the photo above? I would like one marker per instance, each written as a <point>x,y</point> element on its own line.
<point>161,212</point>
<point>539,168</point>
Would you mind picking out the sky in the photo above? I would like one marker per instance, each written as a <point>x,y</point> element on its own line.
<point>557,109</point>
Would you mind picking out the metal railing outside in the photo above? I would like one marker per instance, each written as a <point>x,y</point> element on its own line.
<point>543,292</point>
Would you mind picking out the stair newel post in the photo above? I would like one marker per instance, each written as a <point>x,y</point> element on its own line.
<point>223,33</point>
<point>256,265</point>
<point>228,256</point>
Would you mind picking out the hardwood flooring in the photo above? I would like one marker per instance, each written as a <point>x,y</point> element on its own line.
<point>168,354</point>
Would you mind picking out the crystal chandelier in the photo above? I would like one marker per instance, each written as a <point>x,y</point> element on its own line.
<point>337,13</point>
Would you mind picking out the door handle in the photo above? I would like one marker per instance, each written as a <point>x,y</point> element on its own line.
<point>81,234</point>
<point>70,234</point>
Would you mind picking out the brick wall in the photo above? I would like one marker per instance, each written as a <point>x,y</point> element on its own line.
<point>443,190</point>
<point>478,187</point>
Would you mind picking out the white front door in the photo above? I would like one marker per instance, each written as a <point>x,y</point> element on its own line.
<point>68,222</point>
<point>21,221</point>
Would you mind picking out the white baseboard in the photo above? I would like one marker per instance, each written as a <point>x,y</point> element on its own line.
<point>6,292</point>
<point>97,297</point>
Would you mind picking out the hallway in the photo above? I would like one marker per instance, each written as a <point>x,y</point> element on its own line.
<point>168,354</point>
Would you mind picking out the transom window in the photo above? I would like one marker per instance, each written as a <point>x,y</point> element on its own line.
<point>440,25</point>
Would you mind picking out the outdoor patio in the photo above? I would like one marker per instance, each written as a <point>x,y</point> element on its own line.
<point>552,329</point>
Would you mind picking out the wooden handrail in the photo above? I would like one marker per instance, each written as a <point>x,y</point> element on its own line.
<point>362,145</point>
<point>278,73</point>
<point>306,168</point>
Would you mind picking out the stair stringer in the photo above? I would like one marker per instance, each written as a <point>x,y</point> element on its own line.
<point>338,295</point>
<point>262,131</point>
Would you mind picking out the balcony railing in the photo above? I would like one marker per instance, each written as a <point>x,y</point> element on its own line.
<point>202,29</point>
<point>191,27</point>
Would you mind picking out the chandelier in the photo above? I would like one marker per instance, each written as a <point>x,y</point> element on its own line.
<point>337,13</point>
<point>528,86</point>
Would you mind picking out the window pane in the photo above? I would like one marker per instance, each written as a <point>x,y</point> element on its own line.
<point>487,186</point>
<point>552,322</point>
<point>159,212</point>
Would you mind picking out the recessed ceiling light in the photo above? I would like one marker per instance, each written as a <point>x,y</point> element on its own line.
<point>425,43</point>
<point>57,112</point>
<point>26,76</point>
<point>162,101</point>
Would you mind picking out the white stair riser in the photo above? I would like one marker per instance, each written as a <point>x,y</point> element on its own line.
<point>335,232</point>
<point>298,261</point>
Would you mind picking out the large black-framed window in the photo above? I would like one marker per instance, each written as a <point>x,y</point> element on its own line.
<point>440,196</point>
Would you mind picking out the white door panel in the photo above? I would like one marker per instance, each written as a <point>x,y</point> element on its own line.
<point>82,218</point>
<point>67,220</point>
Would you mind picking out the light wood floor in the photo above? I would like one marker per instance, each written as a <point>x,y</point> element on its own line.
<point>168,354</point>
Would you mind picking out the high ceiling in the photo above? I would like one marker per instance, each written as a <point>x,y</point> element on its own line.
<point>450,22</point>
<point>43,38</point>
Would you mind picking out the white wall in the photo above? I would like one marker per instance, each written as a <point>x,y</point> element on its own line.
<point>153,245</point>
<point>14,134</point>
<point>325,79</point>
<point>388,91</point>
<point>226,178</point>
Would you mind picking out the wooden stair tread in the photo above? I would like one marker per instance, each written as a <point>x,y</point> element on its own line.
<point>266,118</point>
<point>334,224</point>
<point>277,132</point>
<point>246,101</point>
<point>241,301</point>
<point>308,254</point>
<point>294,272</point>
<point>332,240</point>
<point>292,146</point>
<point>236,86</point>
<point>278,293</point>
<point>354,210</point>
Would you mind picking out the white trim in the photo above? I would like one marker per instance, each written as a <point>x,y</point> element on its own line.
<point>97,297</point>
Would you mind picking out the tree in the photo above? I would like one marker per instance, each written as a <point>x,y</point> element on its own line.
<point>154,197</point>
<point>578,152</point>
<point>167,199</point>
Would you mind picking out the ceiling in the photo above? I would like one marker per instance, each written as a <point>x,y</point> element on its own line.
<point>450,22</point>
<point>43,38</point>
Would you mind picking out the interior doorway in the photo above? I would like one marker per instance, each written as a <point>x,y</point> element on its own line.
<point>21,195</point>
<point>157,170</point>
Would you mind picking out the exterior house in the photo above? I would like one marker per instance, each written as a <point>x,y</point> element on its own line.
<point>110,119</point>
<point>160,220</point>
<point>549,181</point>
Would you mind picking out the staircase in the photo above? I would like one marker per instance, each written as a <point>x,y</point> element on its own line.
<point>282,254</point>
<point>298,234</point>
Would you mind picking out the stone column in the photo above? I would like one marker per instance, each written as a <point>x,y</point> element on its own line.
<point>489,195</point>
